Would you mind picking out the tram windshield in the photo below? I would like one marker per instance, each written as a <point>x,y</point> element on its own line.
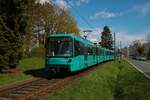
<point>59,47</point>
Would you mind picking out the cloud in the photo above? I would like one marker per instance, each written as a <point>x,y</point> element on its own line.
<point>147,31</point>
<point>127,39</point>
<point>42,1</point>
<point>104,14</point>
<point>80,2</point>
<point>143,9</point>
<point>62,4</point>
<point>66,4</point>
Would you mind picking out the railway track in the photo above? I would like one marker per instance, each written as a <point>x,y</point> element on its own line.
<point>31,90</point>
<point>27,90</point>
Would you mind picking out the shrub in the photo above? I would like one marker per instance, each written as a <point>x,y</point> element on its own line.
<point>37,52</point>
<point>10,47</point>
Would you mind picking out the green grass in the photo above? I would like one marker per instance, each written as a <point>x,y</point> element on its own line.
<point>31,63</point>
<point>25,65</point>
<point>135,85</point>
<point>111,81</point>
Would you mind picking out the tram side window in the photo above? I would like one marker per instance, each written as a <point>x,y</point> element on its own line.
<point>90,50</point>
<point>85,49</point>
<point>107,53</point>
<point>82,48</point>
<point>100,52</point>
<point>94,51</point>
<point>97,52</point>
<point>77,48</point>
<point>104,52</point>
<point>110,53</point>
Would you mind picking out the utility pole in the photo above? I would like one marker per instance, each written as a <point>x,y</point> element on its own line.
<point>120,52</point>
<point>120,46</point>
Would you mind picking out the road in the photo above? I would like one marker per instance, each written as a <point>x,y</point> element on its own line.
<point>142,66</point>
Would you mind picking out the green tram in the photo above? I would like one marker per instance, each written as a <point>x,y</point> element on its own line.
<point>68,52</point>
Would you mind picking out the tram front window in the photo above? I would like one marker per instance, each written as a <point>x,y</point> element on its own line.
<point>59,47</point>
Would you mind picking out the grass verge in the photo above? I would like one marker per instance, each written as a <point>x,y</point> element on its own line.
<point>26,66</point>
<point>111,81</point>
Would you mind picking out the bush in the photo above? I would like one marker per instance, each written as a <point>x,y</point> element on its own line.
<point>10,47</point>
<point>37,52</point>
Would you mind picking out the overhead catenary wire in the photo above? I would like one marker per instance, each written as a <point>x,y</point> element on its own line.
<point>77,13</point>
<point>83,18</point>
<point>75,10</point>
<point>89,25</point>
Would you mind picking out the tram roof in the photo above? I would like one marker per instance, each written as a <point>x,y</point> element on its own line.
<point>79,38</point>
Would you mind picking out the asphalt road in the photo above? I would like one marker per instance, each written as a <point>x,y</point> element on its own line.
<point>143,66</point>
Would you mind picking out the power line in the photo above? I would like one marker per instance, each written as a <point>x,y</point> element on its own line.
<point>80,15</point>
<point>75,10</point>
<point>88,24</point>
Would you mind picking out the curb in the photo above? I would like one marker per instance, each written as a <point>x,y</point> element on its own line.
<point>138,69</point>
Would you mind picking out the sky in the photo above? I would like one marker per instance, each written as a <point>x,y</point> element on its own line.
<point>129,19</point>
